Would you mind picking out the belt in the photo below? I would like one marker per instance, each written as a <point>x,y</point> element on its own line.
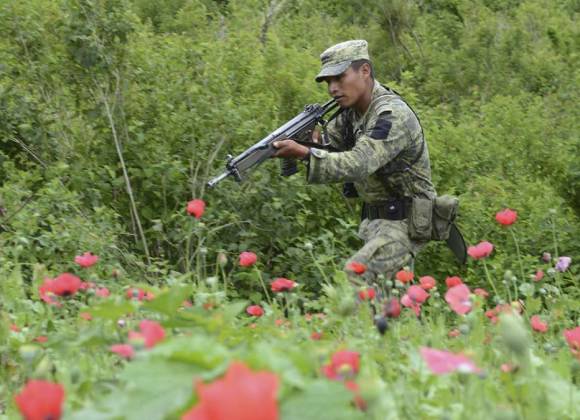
<point>391,209</point>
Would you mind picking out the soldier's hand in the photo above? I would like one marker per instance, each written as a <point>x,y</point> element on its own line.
<point>290,149</point>
<point>316,135</point>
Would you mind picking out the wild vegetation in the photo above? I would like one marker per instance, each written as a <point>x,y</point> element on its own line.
<point>113,115</point>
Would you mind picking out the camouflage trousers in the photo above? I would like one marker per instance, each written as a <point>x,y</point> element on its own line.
<point>387,248</point>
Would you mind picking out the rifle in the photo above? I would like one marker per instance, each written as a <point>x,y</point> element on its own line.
<point>299,129</point>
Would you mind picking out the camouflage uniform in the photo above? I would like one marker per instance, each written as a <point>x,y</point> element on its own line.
<point>389,159</point>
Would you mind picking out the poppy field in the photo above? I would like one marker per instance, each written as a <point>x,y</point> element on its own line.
<point>85,345</point>
<point>129,290</point>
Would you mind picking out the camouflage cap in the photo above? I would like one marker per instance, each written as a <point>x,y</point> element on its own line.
<point>337,59</point>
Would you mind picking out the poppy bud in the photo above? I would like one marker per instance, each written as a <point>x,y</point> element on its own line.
<point>346,306</point>
<point>28,353</point>
<point>546,257</point>
<point>222,259</point>
<point>381,323</point>
<point>514,335</point>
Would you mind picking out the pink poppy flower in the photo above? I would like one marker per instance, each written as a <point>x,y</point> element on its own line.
<point>152,332</point>
<point>538,325</point>
<point>248,259</point>
<point>458,299</point>
<point>102,292</point>
<point>573,339</point>
<point>41,339</point>
<point>410,303</point>
<point>135,293</point>
<point>123,350</point>
<point>417,294</point>
<point>86,260</point>
<point>441,362</point>
<point>480,251</point>
<point>506,217</point>
<point>539,275</point>
<point>14,328</point>
<point>453,281</point>
<point>481,292</point>
<point>356,267</point>
<point>282,285</point>
<point>255,310</point>
<point>427,282</point>
<point>196,208</point>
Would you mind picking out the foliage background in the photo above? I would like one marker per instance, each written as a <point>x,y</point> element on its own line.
<point>179,83</point>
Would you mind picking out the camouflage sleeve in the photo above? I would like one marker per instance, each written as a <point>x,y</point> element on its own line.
<point>334,132</point>
<point>386,138</point>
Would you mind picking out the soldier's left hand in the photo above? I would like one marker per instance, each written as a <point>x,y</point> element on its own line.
<point>290,149</point>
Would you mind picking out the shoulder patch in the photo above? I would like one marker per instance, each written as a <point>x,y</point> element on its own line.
<point>382,127</point>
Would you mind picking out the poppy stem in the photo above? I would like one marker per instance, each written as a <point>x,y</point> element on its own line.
<point>519,261</point>
<point>491,283</point>
<point>319,267</point>
<point>259,275</point>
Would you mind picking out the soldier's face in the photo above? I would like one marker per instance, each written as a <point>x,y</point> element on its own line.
<point>349,87</point>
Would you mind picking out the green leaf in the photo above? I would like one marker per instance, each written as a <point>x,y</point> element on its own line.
<point>321,400</point>
<point>169,301</point>
<point>111,310</point>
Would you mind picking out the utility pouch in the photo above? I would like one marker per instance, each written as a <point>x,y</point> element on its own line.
<point>445,209</point>
<point>420,219</point>
<point>349,190</point>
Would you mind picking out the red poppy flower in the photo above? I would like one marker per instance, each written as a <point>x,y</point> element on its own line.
<point>539,275</point>
<point>358,400</point>
<point>255,310</point>
<point>14,327</point>
<point>441,362</point>
<point>282,285</point>
<point>538,325</point>
<point>453,281</point>
<point>573,339</point>
<point>41,339</point>
<point>454,333</point>
<point>480,251</point>
<point>356,267</point>
<point>506,217</point>
<point>196,208</point>
<point>86,316</point>
<point>248,259</point>
<point>343,364</point>
<point>481,292</point>
<point>393,308</point>
<point>458,298</point>
<point>86,260</point>
<point>316,335</point>
<point>367,294</point>
<point>124,350</point>
<point>427,282</point>
<point>152,331</point>
<point>102,292</point>
<point>40,400</point>
<point>135,293</point>
<point>404,276</point>
<point>241,394</point>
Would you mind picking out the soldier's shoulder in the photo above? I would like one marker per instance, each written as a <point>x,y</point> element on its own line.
<point>389,103</point>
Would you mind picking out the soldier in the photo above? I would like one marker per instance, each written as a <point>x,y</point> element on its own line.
<point>382,158</point>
